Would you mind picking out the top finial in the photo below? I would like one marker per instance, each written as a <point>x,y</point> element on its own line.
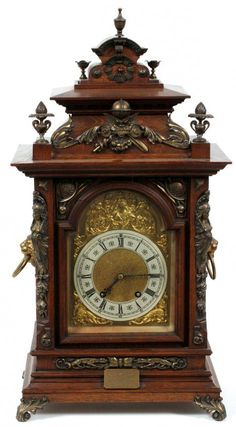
<point>119,23</point>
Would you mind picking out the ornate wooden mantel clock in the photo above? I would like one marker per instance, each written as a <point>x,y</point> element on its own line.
<point>121,242</point>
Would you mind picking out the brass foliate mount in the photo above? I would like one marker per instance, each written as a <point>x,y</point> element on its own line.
<point>213,406</point>
<point>200,125</point>
<point>153,65</point>
<point>83,65</point>
<point>30,406</point>
<point>119,23</point>
<point>40,124</point>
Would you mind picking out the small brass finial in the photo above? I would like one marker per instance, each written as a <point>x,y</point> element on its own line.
<point>83,65</point>
<point>200,125</point>
<point>40,124</point>
<point>119,23</point>
<point>153,65</point>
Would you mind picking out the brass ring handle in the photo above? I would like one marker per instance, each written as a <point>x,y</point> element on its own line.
<point>211,268</point>
<point>22,265</point>
<point>29,256</point>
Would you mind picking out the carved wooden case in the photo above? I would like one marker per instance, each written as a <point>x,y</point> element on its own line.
<point>120,162</point>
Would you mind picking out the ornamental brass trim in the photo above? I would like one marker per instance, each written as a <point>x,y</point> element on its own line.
<point>46,338</point>
<point>120,132</point>
<point>161,363</point>
<point>205,246</point>
<point>67,191</point>
<point>39,237</point>
<point>176,191</point>
<point>28,406</point>
<point>198,337</point>
<point>61,137</point>
<point>121,210</point>
<point>213,406</point>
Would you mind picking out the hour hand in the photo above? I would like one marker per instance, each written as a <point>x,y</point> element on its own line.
<point>108,289</point>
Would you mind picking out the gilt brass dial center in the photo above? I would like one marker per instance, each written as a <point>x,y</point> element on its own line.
<point>118,268</point>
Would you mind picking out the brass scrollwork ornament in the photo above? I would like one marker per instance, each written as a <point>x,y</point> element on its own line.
<point>213,406</point>
<point>30,406</point>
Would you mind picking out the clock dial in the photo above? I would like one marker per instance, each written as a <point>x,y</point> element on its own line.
<point>120,275</point>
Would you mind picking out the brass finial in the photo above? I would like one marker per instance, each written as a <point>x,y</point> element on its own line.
<point>153,65</point>
<point>119,23</point>
<point>40,124</point>
<point>201,124</point>
<point>83,65</point>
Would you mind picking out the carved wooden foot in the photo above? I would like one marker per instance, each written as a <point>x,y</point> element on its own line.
<point>213,406</point>
<point>28,406</point>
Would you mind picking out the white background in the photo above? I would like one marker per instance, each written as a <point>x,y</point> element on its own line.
<point>40,40</point>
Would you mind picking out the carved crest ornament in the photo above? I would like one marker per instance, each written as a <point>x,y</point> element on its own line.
<point>120,132</point>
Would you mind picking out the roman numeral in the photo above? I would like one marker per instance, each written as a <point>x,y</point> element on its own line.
<point>84,276</point>
<point>120,310</point>
<point>90,292</point>
<point>139,306</point>
<point>138,245</point>
<point>102,245</point>
<point>90,259</point>
<point>121,240</point>
<point>155,276</point>
<point>102,305</point>
<point>151,258</point>
<point>149,292</point>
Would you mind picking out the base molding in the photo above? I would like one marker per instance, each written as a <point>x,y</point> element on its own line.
<point>179,386</point>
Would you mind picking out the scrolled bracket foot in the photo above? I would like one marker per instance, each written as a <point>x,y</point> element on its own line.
<point>213,406</point>
<point>30,406</point>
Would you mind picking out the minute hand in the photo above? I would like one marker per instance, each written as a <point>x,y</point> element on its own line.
<point>144,275</point>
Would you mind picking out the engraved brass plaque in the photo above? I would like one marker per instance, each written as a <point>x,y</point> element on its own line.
<point>121,378</point>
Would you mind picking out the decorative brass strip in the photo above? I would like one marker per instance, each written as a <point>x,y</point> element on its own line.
<point>213,406</point>
<point>28,406</point>
<point>161,363</point>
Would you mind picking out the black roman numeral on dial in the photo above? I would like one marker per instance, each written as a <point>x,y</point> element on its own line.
<point>102,305</point>
<point>90,292</point>
<point>121,241</point>
<point>150,292</point>
<point>102,245</point>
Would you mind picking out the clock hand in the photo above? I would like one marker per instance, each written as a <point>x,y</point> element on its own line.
<point>108,289</point>
<point>142,275</point>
